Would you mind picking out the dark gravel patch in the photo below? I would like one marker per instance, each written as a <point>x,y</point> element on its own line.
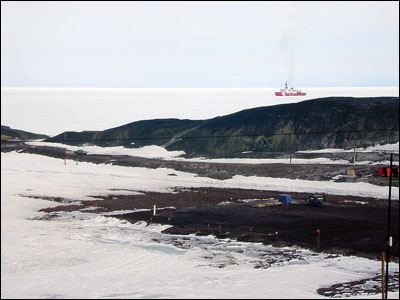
<point>349,225</point>
<point>346,226</point>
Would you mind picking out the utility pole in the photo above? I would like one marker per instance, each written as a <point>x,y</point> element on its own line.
<point>389,238</point>
<point>383,275</point>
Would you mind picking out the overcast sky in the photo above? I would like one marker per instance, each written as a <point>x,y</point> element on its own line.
<point>199,44</point>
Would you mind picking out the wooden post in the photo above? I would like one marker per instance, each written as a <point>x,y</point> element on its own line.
<point>383,274</point>
<point>318,239</point>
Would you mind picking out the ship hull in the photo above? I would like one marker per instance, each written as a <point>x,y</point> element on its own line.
<point>289,94</point>
<point>295,94</point>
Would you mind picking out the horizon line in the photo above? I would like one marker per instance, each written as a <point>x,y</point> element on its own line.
<point>94,87</point>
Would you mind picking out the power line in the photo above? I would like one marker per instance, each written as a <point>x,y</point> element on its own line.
<point>217,136</point>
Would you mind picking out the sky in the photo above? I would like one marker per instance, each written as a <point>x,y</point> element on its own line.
<point>198,44</point>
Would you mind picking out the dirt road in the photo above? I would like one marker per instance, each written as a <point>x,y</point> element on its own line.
<point>321,172</point>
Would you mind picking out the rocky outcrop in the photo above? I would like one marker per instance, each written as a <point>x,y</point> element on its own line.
<point>11,133</point>
<point>334,122</point>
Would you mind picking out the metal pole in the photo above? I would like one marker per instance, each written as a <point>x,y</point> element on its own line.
<point>383,275</point>
<point>388,241</point>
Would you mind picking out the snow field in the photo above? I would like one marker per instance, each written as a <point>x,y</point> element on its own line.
<point>77,256</point>
<point>159,152</point>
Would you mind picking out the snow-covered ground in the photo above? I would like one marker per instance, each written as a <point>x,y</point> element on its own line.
<point>90,256</point>
<point>145,152</point>
<point>376,148</point>
<point>161,153</point>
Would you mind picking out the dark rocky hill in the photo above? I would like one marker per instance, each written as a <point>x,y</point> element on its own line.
<point>135,134</point>
<point>334,122</point>
<point>7,131</point>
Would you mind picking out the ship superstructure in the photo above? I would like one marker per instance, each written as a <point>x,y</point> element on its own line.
<point>289,92</point>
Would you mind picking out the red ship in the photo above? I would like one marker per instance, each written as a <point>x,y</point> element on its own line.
<point>289,92</point>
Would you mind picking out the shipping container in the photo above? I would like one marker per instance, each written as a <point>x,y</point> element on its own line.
<point>285,199</point>
<point>385,171</point>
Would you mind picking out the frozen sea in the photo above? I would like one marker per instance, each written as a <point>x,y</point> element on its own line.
<point>52,111</point>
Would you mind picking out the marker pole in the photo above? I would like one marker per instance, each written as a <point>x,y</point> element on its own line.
<point>389,238</point>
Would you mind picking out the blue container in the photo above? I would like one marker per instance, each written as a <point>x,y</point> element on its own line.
<point>285,199</point>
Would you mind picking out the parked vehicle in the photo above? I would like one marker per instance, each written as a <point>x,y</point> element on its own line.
<point>316,200</point>
<point>80,152</point>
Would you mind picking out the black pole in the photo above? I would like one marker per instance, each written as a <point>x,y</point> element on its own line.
<point>388,229</point>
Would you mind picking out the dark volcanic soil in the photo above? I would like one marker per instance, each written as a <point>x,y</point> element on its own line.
<point>345,227</point>
<point>348,225</point>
